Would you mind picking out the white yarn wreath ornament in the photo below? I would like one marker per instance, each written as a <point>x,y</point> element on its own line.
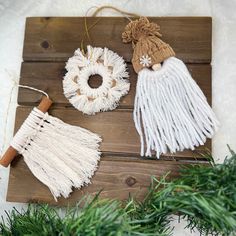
<point>104,62</point>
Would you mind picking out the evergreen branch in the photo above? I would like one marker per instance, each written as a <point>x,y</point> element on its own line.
<point>204,195</point>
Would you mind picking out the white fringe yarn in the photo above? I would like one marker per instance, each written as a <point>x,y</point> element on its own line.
<point>60,155</point>
<point>171,112</point>
<point>104,62</point>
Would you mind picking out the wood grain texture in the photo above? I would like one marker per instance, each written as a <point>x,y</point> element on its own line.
<point>48,77</point>
<point>56,38</point>
<point>116,178</point>
<point>115,127</point>
<point>49,42</point>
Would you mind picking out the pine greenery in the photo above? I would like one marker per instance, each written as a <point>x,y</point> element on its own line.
<point>205,195</point>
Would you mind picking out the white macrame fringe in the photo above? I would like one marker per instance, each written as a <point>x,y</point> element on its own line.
<point>104,62</point>
<point>171,112</point>
<point>60,155</point>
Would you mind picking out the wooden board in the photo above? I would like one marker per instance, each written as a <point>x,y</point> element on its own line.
<point>48,43</point>
<point>116,177</point>
<point>115,127</point>
<point>48,77</point>
<point>56,38</point>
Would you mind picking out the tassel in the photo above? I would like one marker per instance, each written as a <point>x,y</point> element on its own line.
<point>171,112</point>
<point>60,155</point>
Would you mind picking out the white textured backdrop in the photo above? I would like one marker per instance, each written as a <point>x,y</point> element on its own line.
<point>12,22</point>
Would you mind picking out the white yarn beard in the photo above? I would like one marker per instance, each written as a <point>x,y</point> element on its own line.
<point>171,112</point>
<point>60,155</point>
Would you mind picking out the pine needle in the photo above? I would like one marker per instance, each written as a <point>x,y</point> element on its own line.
<point>204,195</point>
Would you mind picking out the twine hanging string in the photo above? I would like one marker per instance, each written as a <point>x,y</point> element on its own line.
<point>95,14</point>
<point>124,13</point>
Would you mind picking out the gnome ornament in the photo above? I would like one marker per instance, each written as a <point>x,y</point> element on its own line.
<point>171,112</point>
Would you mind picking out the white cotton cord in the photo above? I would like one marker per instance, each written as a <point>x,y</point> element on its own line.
<point>97,61</point>
<point>206,113</point>
<point>171,112</point>
<point>34,89</point>
<point>196,115</point>
<point>60,155</point>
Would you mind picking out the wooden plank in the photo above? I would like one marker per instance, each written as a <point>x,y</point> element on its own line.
<point>48,77</point>
<point>56,38</point>
<point>49,42</point>
<point>117,179</point>
<point>116,129</point>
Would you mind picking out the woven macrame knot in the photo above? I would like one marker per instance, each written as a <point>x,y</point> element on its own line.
<point>139,29</point>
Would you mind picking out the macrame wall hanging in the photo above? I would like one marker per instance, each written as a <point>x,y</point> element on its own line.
<point>171,112</point>
<point>97,61</point>
<point>60,155</point>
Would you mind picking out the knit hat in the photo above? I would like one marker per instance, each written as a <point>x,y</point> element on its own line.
<point>149,49</point>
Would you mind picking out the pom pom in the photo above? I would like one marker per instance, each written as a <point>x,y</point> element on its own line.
<point>140,28</point>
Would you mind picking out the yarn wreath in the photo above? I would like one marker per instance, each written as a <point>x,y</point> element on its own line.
<point>101,61</point>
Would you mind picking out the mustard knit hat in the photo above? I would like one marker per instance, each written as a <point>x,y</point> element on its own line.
<point>149,49</point>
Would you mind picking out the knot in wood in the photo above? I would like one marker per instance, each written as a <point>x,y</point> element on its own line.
<point>130,181</point>
<point>45,44</point>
